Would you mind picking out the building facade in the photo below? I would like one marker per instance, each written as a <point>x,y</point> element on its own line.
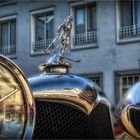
<point>105,37</point>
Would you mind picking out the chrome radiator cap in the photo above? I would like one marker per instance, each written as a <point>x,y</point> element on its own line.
<point>68,105</point>
<point>128,111</point>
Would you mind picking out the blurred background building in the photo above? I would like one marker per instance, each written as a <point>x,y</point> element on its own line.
<point>105,36</point>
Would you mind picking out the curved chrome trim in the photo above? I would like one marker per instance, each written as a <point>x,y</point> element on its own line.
<point>126,121</point>
<point>30,122</point>
<point>9,94</point>
<point>131,99</point>
<point>104,101</point>
<point>77,98</point>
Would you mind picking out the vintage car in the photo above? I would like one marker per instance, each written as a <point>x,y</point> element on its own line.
<point>56,104</point>
<point>128,111</point>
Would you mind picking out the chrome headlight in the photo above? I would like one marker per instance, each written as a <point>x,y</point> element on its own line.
<point>129,111</point>
<point>17,108</point>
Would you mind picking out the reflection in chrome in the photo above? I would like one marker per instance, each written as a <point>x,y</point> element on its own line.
<point>65,88</point>
<point>17,107</point>
<point>56,85</point>
<point>129,111</point>
<point>9,94</point>
<point>74,91</point>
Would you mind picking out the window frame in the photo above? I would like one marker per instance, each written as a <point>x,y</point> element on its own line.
<point>95,75</point>
<point>8,2</point>
<point>34,14</point>
<point>118,75</point>
<point>130,39</point>
<point>73,7</point>
<point>8,20</point>
<point>85,20</point>
<point>45,27</point>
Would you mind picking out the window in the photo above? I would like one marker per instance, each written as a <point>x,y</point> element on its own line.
<point>7,2</point>
<point>43,31</point>
<point>129,19</point>
<point>85,24</point>
<point>8,37</point>
<point>125,80</point>
<point>96,78</point>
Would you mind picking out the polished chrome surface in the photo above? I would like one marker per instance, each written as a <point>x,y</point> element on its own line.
<point>62,68</point>
<point>56,62</point>
<point>56,84</point>
<point>67,88</point>
<point>17,108</point>
<point>128,111</point>
<point>63,36</point>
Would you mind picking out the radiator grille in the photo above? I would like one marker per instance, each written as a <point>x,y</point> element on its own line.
<point>56,120</point>
<point>134,118</point>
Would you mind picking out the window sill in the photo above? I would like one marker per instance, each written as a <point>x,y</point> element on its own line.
<point>128,40</point>
<point>82,47</point>
<point>8,3</point>
<point>38,53</point>
<point>10,56</point>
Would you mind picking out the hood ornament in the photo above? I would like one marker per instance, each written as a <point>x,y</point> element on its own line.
<point>57,59</point>
<point>68,106</point>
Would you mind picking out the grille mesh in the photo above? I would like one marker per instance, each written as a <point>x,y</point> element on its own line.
<point>134,118</point>
<point>56,120</point>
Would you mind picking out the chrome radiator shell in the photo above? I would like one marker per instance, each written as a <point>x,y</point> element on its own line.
<point>128,111</point>
<point>68,106</point>
<point>62,93</point>
<point>68,88</point>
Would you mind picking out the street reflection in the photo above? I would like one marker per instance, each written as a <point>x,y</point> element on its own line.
<point>12,108</point>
